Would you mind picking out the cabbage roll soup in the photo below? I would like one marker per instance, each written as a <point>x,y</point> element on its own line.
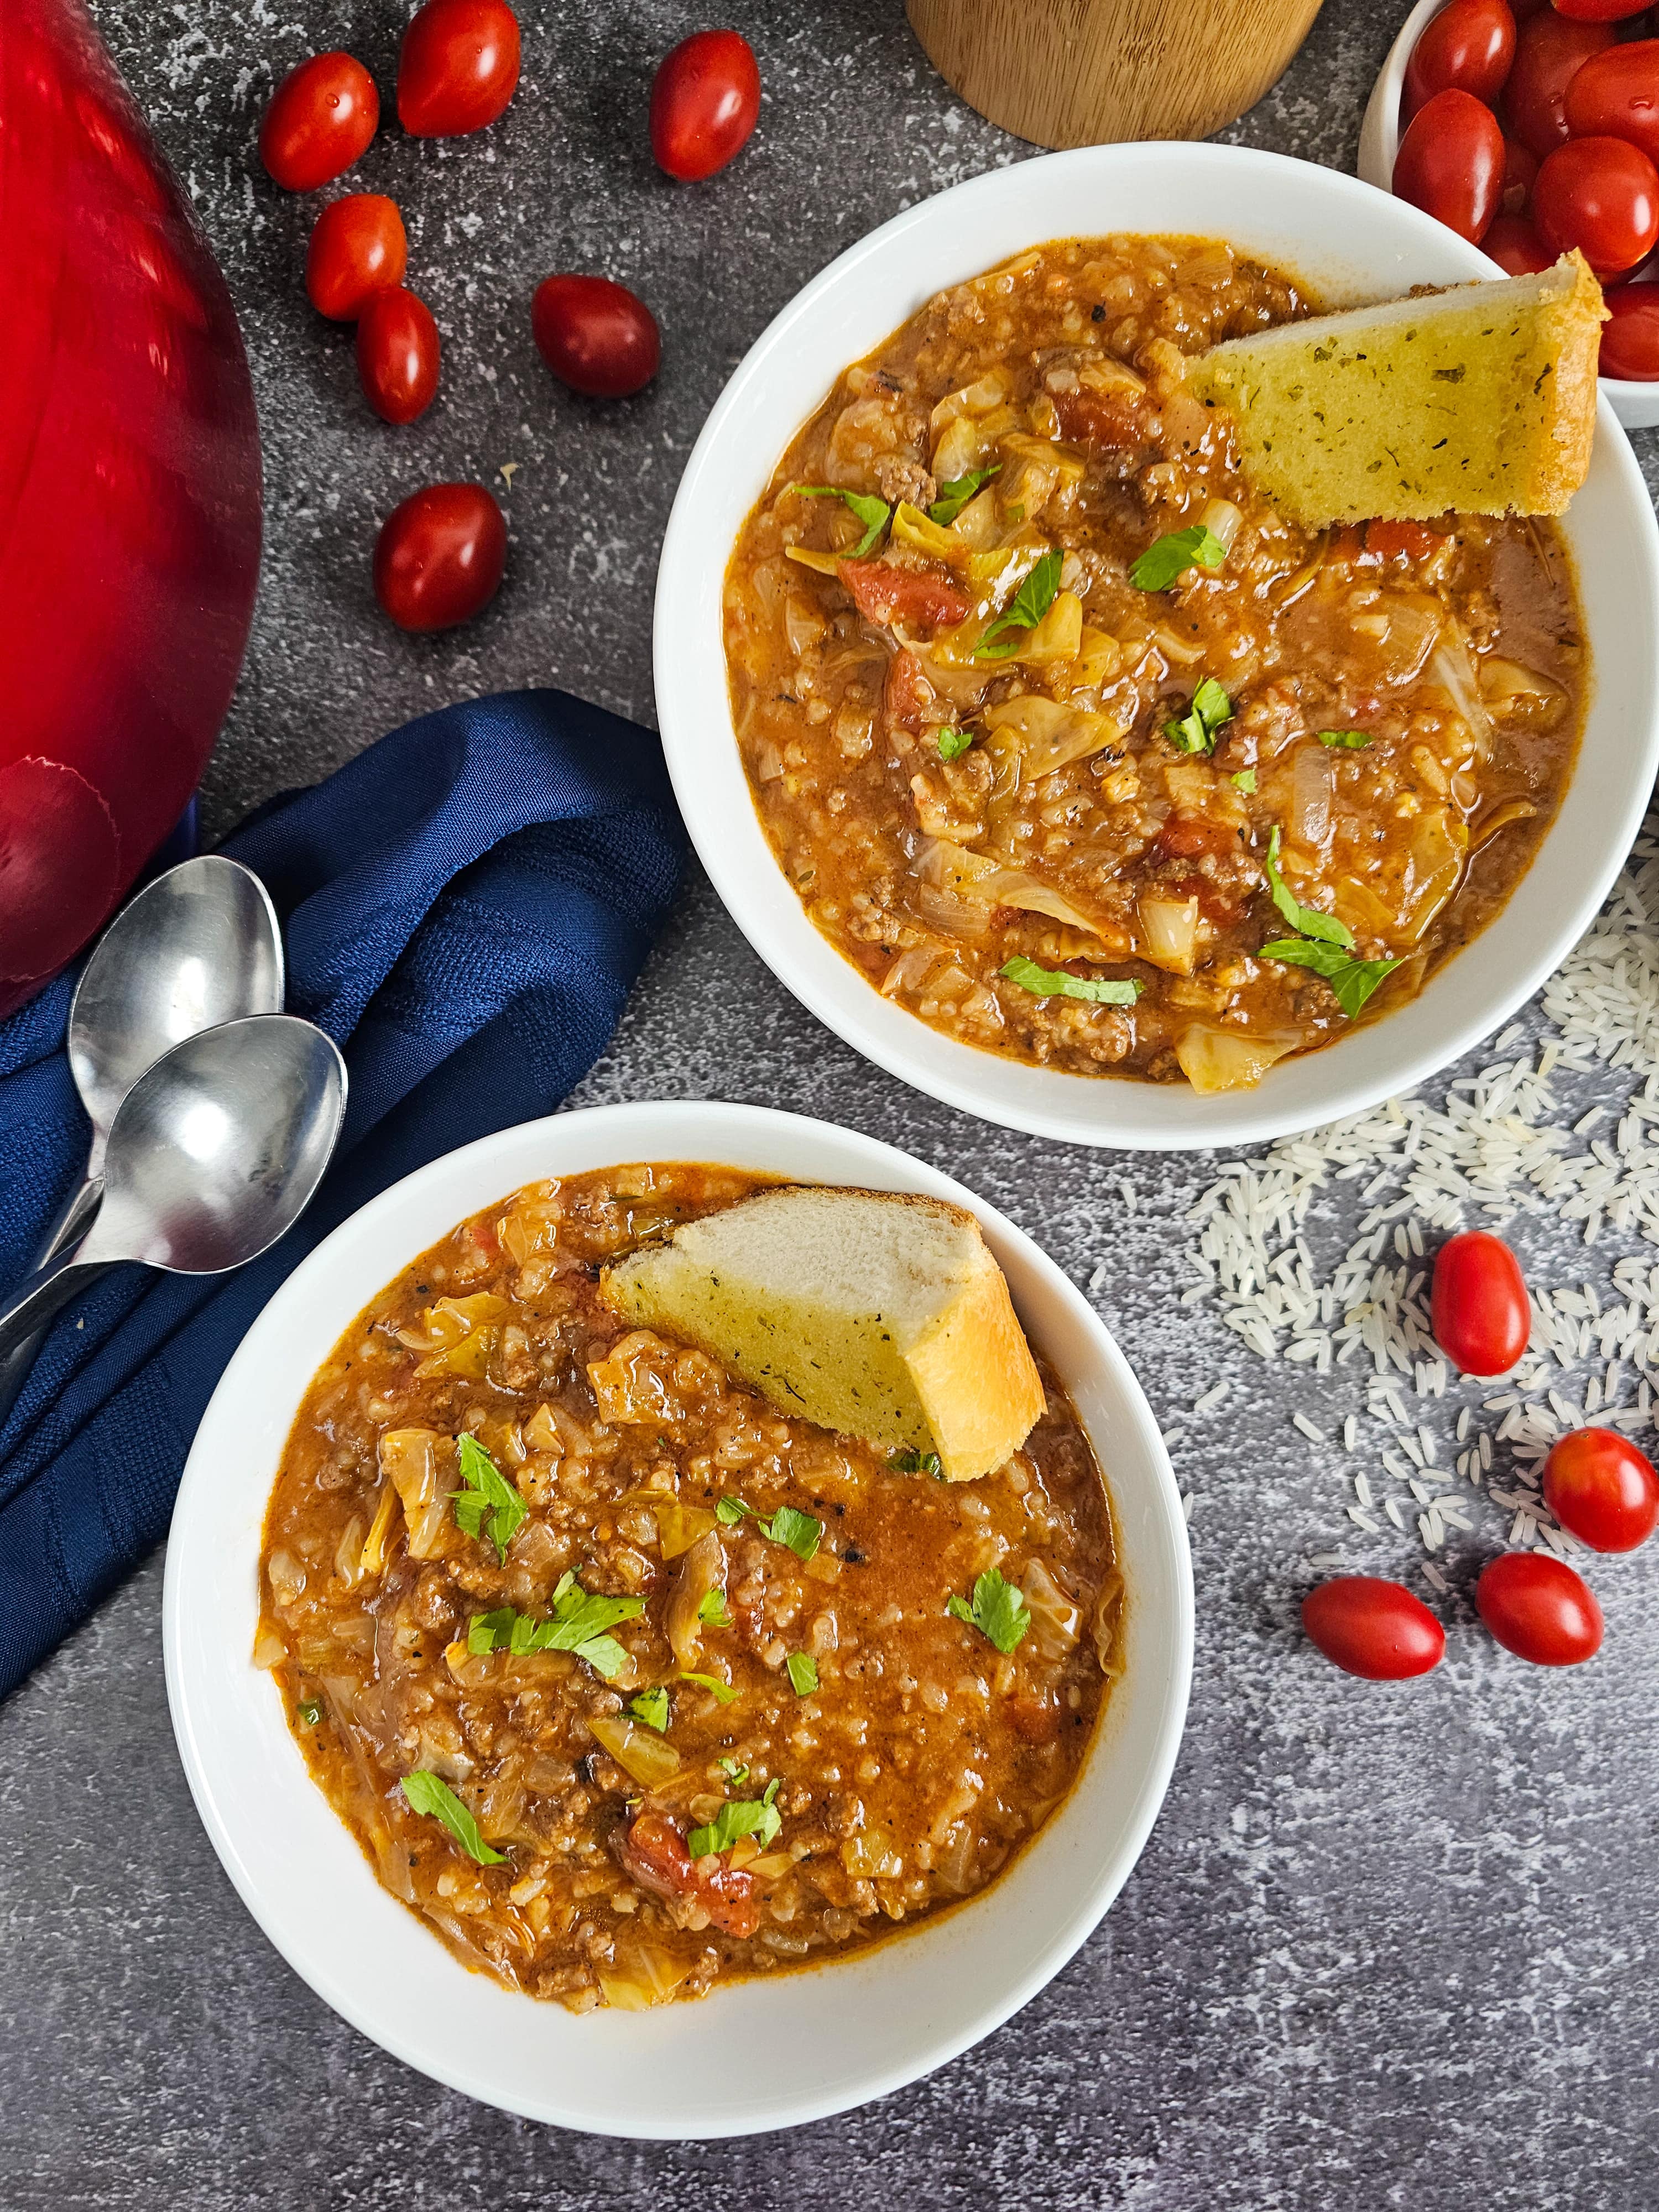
<point>1073,745</point>
<point>627,1684</point>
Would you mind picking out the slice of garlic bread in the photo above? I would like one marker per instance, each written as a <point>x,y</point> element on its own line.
<point>1481,399</point>
<point>882,1316</point>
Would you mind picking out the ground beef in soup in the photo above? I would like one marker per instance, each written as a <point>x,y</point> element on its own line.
<point>674,1681</point>
<point>974,740</point>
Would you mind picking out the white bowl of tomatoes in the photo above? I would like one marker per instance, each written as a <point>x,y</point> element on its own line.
<point>1529,126</point>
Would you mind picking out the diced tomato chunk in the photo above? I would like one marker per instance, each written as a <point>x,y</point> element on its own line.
<point>652,1852</point>
<point>1383,541</point>
<point>882,592</point>
<point>1184,836</point>
<point>1035,1718</point>
<point>907,699</point>
<point>1114,419</point>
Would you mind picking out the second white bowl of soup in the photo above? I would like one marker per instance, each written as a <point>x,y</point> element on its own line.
<point>890,852</point>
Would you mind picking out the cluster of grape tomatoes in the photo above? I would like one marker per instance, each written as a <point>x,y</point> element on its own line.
<point>1598,1485</point>
<point>440,556</point>
<point>1532,126</point>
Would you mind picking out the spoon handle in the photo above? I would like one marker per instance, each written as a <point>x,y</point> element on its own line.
<point>73,1220</point>
<point>25,1313</point>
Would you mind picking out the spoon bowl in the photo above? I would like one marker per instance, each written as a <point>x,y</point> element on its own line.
<point>197,947</point>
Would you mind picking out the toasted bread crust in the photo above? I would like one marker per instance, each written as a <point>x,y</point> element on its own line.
<point>1480,399</point>
<point>965,1385</point>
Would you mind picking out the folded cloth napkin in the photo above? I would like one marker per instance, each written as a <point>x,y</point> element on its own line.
<point>465,907</point>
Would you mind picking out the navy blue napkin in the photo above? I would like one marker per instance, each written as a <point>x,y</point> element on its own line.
<point>466,905</point>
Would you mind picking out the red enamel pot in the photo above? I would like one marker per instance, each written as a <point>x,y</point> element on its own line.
<point>129,493</point>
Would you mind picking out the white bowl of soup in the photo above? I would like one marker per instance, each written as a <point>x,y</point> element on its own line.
<point>412,1936</point>
<point>798,795</point>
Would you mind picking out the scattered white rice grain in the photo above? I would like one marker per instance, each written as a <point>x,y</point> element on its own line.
<point>1212,1398</point>
<point>1315,1436</point>
<point>1350,1432</point>
<point>1462,1423</point>
<point>1363,1520</point>
<point>1391,1507</point>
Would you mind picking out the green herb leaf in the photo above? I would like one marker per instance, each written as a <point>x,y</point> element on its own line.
<point>1197,729</point>
<point>998,1610</point>
<point>753,1816</point>
<point>311,1710</point>
<point>734,1770</point>
<point>731,1510</point>
<point>1029,605</point>
<point>1353,980</point>
<point>431,1795</point>
<point>871,511</point>
<point>488,1491</point>
<point>1172,554</point>
<point>952,744</point>
<point>577,1623</point>
<point>651,1707</point>
<point>1350,741</point>
<point>803,1672</point>
<point>1245,782</point>
<point>1324,927</point>
<point>799,1531</point>
<point>909,1460</point>
<point>711,1610</point>
<point>955,495</point>
<point>722,1692</point>
<point>1055,983</point>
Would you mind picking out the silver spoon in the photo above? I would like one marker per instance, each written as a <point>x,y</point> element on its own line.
<point>199,946</point>
<point>215,1151</point>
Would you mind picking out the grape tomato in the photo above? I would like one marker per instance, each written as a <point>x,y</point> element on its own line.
<point>705,102</point>
<point>596,337</point>
<point>358,247</point>
<point>1602,1490</point>
<point>458,67</point>
<point>1515,246</point>
<point>1373,1628</point>
<point>1470,46</point>
<point>1450,163</point>
<point>398,355</point>
<point>1630,338</point>
<point>1549,51</point>
<point>1520,169</point>
<point>1598,11</point>
<point>320,120</point>
<point>1536,1607</point>
<point>440,556</point>
<point>1478,1307</point>
<point>1601,196</point>
<point>1616,96</point>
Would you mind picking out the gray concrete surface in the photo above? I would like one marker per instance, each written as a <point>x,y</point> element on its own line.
<point>1384,1950</point>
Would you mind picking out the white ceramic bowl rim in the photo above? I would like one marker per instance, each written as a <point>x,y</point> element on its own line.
<point>1351,242</point>
<point>763,2054</point>
<point>1636,404</point>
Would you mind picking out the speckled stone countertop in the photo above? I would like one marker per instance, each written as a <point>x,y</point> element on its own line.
<point>1383,1950</point>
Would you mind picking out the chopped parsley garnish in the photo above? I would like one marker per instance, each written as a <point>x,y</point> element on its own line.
<point>1026,610</point>
<point>1245,782</point>
<point>1307,919</point>
<point>952,744</point>
<point>1348,741</point>
<point>1331,953</point>
<point>431,1795</point>
<point>998,1610</point>
<point>1172,554</point>
<point>1199,727</point>
<point>799,1531</point>
<point>1354,981</point>
<point>734,1770</point>
<point>803,1671</point>
<point>909,1460</point>
<point>871,511</point>
<point>651,1707</point>
<point>311,1710</point>
<point>722,1692</point>
<point>577,1623</point>
<point>955,495</point>
<point>1055,983</point>
<point>711,1610</point>
<point>750,1816</point>
<point>488,1493</point>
